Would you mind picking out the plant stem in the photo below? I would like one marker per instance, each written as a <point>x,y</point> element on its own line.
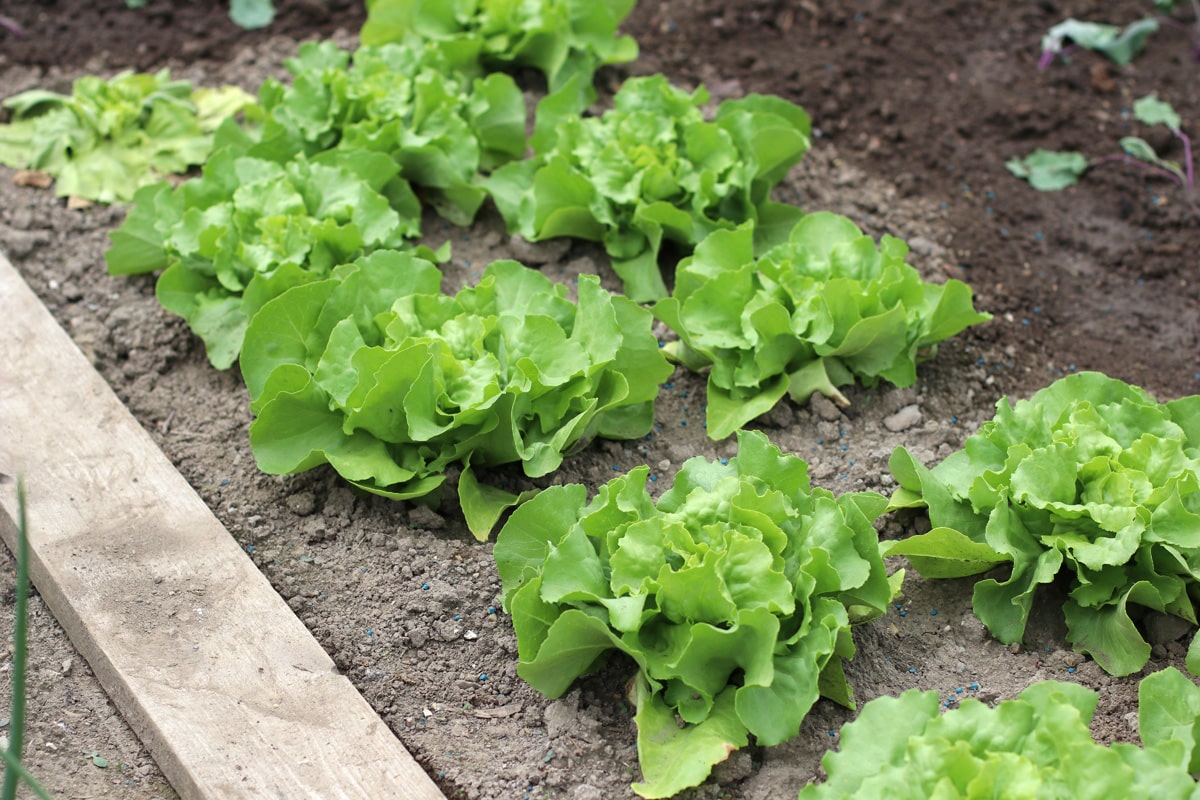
<point>16,727</point>
<point>11,26</point>
<point>12,764</point>
<point>1095,162</point>
<point>1187,156</point>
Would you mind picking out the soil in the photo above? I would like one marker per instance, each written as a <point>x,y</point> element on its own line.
<point>916,105</point>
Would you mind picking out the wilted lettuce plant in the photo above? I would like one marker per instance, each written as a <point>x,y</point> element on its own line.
<point>1090,479</point>
<point>109,137</point>
<point>733,595</point>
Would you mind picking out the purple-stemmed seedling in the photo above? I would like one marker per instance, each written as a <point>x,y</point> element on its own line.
<point>11,26</point>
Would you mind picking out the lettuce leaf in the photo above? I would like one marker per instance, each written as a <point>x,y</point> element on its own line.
<point>567,40</point>
<point>825,308</point>
<point>1033,746</point>
<point>651,170</point>
<point>109,138</point>
<point>733,594</point>
<point>1090,479</point>
<point>377,373</point>
<point>324,175</point>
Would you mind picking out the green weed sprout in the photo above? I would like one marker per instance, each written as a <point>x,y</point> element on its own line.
<point>14,771</point>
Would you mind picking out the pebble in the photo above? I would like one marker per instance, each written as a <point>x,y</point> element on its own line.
<point>824,408</point>
<point>301,503</point>
<point>903,419</point>
<point>536,253</point>
<point>426,519</point>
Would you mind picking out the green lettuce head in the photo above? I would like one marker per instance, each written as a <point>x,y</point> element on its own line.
<point>567,40</point>
<point>110,137</point>
<point>733,594</point>
<point>825,308</point>
<point>324,175</point>
<point>1037,745</point>
<point>1090,480</point>
<point>376,372</point>
<point>652,169</point>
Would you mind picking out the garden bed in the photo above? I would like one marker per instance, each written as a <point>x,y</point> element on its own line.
<point>918,105</point>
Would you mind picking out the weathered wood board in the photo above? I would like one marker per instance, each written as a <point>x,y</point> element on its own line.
<point>224,685</point>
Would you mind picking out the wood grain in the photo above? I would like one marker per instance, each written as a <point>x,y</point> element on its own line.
<point>223,684</point>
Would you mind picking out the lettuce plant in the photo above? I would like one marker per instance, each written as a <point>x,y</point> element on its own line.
<point>327,175</point>
<point>823,309</point>
<point>1090,479</point>
<point>250,228</point>
<point>567,40</point>
<point>733,595</point>
<point>1037,745</point>
<point>650,169</point>
<point>110,137</point>
<point>376,372</point>
<point>442,129</point>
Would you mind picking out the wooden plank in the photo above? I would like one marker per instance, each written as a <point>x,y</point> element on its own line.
<point>223,684</point>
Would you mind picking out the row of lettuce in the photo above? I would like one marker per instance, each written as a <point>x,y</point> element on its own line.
<point>295,254</point>
<point>735,592</point>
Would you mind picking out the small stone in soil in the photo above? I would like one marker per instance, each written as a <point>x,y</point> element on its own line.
<point>301,503</point>
<point>903,419</point>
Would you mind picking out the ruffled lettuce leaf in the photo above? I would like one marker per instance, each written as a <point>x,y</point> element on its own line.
<point>1033,746</point>
<point>329,171</point>
<point>825,308</point>
<point>1090,479</point>
<point>652,169</point>
<point>567,40</point>
<point>374,371</point>
<point>733,593</point>
<point>108,138</point>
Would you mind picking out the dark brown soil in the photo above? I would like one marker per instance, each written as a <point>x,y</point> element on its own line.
<point>918,104</point>
<point>68,33</point>
<point>934,97</point>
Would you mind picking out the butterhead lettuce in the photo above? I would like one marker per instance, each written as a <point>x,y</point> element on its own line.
<point>733,594</point>
<point>110,137</point>
<point>825,308</point>
<point>1037,745</point>
<point>652,169</point>
<point>376,372</point>
<point>330,171</point>
<point>567,40</point>
<point>1091,482</point>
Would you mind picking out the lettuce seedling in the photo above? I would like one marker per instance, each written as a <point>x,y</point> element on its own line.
<point>1121,45</point>
<point>1091,481</point>
<point>1037,745</point>
<point>650,169</point>
<point>1050,171</point>
<point>376,372</point>
<point>733,595</point>
<point>567,40</point>
<point>824,309</point>
<point>108,138</point>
